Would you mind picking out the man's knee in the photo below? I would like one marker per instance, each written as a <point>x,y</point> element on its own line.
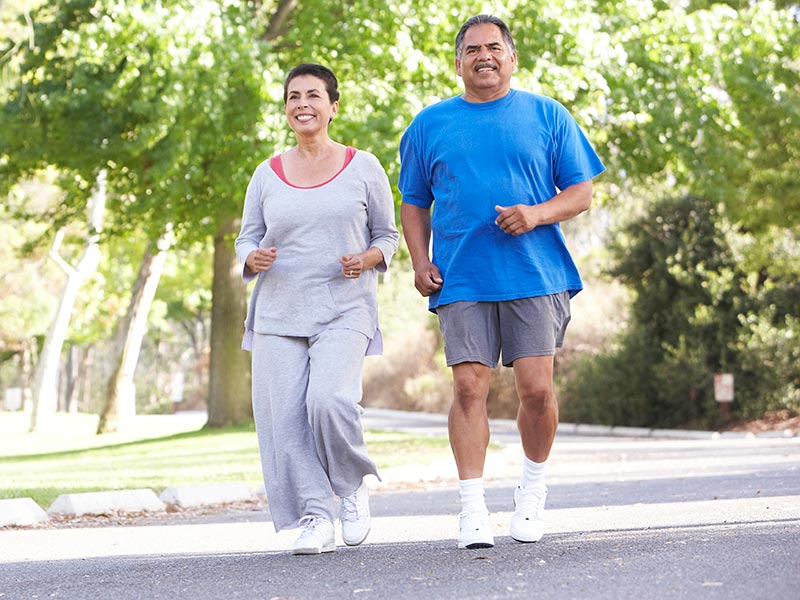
<point>470,384</point>
<point>538,397</point>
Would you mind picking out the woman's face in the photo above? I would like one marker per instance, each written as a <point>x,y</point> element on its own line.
<point>308,106</point>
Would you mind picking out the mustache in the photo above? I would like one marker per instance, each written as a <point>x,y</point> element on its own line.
<point>483,64</point>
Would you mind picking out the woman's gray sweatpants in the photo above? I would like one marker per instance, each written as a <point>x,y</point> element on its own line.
<point>306,394</point>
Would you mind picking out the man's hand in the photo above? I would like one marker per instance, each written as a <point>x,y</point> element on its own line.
<point>417,231</point>
<point>517,219</point>
<point>568,203</point>
<point>427,279</point>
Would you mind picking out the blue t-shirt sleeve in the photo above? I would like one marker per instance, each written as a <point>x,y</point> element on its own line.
<point>413,182</point>
<point>575,161</point>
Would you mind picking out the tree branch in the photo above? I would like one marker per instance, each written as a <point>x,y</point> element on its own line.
<point>277,23</point>
<point>56,257</point>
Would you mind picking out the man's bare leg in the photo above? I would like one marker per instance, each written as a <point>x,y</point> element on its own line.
<point>468,423</point>
<point>468,426</point>
<point>537,421</point>
<point>537,418</point>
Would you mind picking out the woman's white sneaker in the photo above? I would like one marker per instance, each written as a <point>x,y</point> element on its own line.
<point>527,524</point>
<point>475,530</point>
<point>317,536</point>
<point>354,514</point>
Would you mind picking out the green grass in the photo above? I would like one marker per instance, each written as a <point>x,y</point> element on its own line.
<point>155,454</point>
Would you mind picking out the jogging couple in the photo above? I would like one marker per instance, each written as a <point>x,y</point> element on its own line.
<point>501,168</point>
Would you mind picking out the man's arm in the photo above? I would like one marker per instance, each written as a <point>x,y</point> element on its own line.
<point>416,223</point>
<point>568,203</point>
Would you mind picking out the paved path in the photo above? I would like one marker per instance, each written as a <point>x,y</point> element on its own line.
<point>627,518</point>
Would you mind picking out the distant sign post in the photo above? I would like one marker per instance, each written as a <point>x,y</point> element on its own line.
<point>723,392</point>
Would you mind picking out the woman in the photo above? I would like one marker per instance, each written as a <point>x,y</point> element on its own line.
<point>318,226</point>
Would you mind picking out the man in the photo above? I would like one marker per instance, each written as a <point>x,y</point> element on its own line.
<point>503,168</point>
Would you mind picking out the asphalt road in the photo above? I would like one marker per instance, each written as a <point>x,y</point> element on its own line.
<point>626,518</point>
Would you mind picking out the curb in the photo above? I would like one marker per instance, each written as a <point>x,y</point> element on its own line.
<point>24,511</point>
<point>100,503</point>
<point>21,511</point>
<point>212,493</point>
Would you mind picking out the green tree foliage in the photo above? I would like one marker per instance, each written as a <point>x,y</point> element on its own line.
<point>180,100</point>
<point>708,102</point>
<point>22,319</point>
<point>698,310</point>
<point>163,94</point>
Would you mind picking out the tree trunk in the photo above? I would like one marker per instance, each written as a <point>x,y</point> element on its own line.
<point>72,373</point>
<point>120,403</point>
<point>229,377</point>
<point>45,381</point>
<point>84,400</point>
<point>25,371</point>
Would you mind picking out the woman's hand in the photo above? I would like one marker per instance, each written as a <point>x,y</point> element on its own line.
<point>353,265</point>
<point>261,260</point>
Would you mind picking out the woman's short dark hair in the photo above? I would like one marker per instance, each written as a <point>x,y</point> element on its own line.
<point>319,71</point>
<point>481,20</point>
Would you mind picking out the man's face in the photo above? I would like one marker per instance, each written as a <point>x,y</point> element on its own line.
<point>485,64</point>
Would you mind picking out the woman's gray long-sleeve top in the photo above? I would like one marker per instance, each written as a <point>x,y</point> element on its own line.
<point>304,292</point>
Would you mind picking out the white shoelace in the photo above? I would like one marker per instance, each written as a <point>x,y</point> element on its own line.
<point>350,508</point>
<point>309,523</point>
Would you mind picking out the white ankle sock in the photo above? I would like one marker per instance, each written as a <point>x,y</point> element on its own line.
<point>472,497</point>
<point>532,474</point>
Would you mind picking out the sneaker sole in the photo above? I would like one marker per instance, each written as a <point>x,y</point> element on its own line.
<point>521,541</point>
<point>311,551</point>
<point>477,545</point>
<point>525,539</point>
<point>356,543</point>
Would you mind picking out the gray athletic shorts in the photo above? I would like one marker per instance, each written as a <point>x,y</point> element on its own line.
<point>478,331</point>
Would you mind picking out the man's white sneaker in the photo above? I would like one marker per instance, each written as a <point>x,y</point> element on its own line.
<point>317,536</point>
<point>475,530</point>
<point>527,524</point>
<point>355,516</point>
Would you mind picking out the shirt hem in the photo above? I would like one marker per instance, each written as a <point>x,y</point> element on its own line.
<point>573,290</point>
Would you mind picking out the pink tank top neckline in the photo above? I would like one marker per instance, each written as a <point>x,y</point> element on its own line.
<point>277,166</point>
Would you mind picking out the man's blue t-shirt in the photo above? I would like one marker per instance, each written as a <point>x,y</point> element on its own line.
<point>464,159</point>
